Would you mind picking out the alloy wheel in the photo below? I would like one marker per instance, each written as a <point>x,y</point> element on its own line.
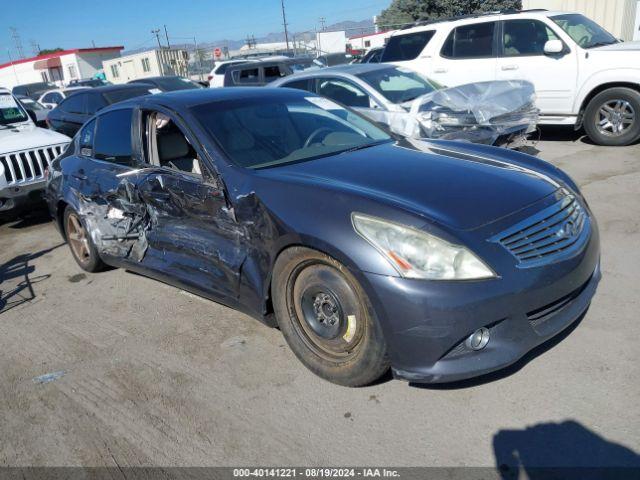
<point>615,118</point>
<point>78,240</point>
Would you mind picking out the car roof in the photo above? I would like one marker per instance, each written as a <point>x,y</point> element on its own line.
<point>462,19</point>
<point>153,79</point>
<point>190,98</point>
<point>341,70</point>
<point>114,88</point>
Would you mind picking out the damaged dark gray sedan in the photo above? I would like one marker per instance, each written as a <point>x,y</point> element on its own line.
<point>439,260</point>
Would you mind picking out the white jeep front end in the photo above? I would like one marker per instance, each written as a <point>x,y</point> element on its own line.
<point>25,153</point>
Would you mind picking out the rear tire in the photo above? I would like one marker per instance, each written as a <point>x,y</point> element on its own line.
<point>612,117</point>
<point>326,318</point>
<point>82,248</point>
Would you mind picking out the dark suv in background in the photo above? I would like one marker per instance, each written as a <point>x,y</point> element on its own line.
<point>70,115</point>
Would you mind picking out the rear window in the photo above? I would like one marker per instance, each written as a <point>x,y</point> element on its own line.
<point>470,41</point>
<point>406,47</point>
<point>125,94</point>
<point>74,104</point>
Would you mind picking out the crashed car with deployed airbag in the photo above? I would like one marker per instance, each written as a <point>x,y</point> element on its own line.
<point>501,113</point>
<point>440,260</point>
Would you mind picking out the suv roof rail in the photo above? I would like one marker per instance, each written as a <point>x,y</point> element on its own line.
<point>471,15</point>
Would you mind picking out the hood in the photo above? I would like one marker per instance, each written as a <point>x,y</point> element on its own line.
<point>457,190</point>
<point>28,136</point>
<point>618,47</point>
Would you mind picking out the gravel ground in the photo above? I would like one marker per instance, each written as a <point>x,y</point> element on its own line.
<point>116,369</point>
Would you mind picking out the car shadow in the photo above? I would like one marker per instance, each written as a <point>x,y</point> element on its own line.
<point>566,450</point>
<point>30,219</point>
<point>508,371</point>
<point>17,280</point>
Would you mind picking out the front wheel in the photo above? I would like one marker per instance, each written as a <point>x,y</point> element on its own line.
<point>612,118</point>
<point>326,318</point>
<point>82,248</point>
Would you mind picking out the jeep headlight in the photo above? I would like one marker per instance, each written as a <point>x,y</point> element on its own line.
<point>417,254</point>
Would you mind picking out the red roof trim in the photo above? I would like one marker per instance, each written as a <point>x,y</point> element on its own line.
<point>370,34</point>
<point>59,54</point>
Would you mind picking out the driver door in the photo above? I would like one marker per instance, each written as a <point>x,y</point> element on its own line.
<point>194,240</point>
<point>522,57</point>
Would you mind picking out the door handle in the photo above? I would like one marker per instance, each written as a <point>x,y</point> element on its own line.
<point>510,67</point>
<point>440,70</point>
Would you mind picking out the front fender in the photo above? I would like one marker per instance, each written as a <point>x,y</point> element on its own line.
<point>613,76</point>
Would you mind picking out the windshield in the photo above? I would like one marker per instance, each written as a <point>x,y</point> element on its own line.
<point>32,104</point>
<point>267,132</point>
<point>585,32</point>
<point>115,96</point>
<point>170,84</point>
<point>10,111</point>
<point>399,85</point>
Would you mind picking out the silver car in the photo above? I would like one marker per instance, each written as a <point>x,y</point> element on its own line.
<point>500,112</point>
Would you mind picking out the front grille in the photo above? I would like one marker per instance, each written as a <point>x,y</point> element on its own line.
<point>551,234</point>
<point>540,315</point>
<point>28,165</point>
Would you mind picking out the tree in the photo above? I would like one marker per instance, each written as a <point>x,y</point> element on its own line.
<point>408,11</point>
<point>50,50</point>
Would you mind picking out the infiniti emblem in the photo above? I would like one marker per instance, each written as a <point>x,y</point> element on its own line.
<point>568,230</point>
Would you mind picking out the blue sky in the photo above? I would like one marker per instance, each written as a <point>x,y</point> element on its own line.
<point>76,23</point>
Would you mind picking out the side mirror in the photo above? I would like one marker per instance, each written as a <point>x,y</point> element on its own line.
<point>553,47</point>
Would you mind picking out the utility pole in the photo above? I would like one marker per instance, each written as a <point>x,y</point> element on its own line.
<point>35,47</point>
<point>16,40</point>
<point>199,58</point>
<point>13,65</point>
<point>156,32</point>
<point>166,36</point>
<point>322,23</point>
<point>284,23</point>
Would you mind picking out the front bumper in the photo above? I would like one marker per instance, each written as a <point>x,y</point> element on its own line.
<point>16,197</point>
<point>426,323</point>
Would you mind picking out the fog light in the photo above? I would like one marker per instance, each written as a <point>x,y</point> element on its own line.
<point>478,339</point>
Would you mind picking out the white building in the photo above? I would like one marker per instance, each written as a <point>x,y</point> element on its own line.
<point>331,42</point>
<point>620,17</point>
<point>58,67</point>
<point>363,43</point>
<point>152,63</point>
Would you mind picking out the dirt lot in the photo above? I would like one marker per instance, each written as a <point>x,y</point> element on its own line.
<point>146,374</point>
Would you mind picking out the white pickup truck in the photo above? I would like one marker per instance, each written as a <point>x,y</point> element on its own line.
<point>25,152</point>
<point>583,76</point>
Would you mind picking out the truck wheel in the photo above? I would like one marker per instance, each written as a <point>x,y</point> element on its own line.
<point>612,117</point>
<point>82,248</point>
<point>326,318</point>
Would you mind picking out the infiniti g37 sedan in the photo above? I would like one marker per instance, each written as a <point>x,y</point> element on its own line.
<point>439,260</point>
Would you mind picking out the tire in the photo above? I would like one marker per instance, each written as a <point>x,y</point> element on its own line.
<point>82,248</point>
<point>326,318</point>
<point>622,106</point>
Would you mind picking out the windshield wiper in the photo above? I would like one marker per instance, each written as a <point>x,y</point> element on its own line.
<point>363,146</point>
<point>601,44</point>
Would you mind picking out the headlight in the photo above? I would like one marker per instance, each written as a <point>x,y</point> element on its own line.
<point>417,254</point>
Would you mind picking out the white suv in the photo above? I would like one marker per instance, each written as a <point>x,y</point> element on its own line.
<point>26,151</point>
<point>583,75</point>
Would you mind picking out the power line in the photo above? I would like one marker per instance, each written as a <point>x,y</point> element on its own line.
<point>16,40</point>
